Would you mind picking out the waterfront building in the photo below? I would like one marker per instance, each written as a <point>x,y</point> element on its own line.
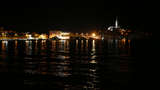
<point>59,34</point>
<point>115,27</point>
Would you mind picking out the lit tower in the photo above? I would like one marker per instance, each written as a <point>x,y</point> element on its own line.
<point>116,23</point>
<point>115,27</point>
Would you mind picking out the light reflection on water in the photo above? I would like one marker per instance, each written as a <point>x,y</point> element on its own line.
<point>69,64</point>
<point>4,45</point>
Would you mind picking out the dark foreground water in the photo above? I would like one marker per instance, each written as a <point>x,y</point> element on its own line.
<point>75,64</point>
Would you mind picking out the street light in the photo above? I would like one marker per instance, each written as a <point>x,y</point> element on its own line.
<point>93,34</point>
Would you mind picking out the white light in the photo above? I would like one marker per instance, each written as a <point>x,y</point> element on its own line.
<point>63,37</point>
<point>93,34</point>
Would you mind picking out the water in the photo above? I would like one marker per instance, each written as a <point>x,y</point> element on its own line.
<point>74,64</point>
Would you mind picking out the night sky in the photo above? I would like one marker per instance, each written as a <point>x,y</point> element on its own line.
<point>40,16</point>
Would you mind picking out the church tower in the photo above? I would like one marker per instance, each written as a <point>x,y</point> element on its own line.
<point>116,23</point>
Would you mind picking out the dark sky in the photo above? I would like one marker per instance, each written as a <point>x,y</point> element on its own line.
<point>75,16</point>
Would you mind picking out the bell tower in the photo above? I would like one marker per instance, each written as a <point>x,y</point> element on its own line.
<point>116,23</point>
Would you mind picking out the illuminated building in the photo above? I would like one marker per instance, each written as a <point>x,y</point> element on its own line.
<point>43,36</point>
<point>64,35</point>
<point>94,36</point>
<point>35,35</point>
<point>59,34</point>
<point>28,36</point>
<point>7,34</point>
<point>116,27</point>
<point>54,33</point>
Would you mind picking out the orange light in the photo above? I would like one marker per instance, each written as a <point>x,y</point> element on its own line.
<point>43,36</point>
<point>93,34</point>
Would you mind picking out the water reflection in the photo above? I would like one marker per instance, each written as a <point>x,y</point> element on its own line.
<point>4,45</point>
<point>70,64</point>
<point>28,47</point>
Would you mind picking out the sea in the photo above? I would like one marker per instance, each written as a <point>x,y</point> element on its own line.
<point>113,64</point>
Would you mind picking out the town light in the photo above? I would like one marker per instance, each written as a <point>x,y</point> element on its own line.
<point>43,36</point>
<point>93,34</point>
